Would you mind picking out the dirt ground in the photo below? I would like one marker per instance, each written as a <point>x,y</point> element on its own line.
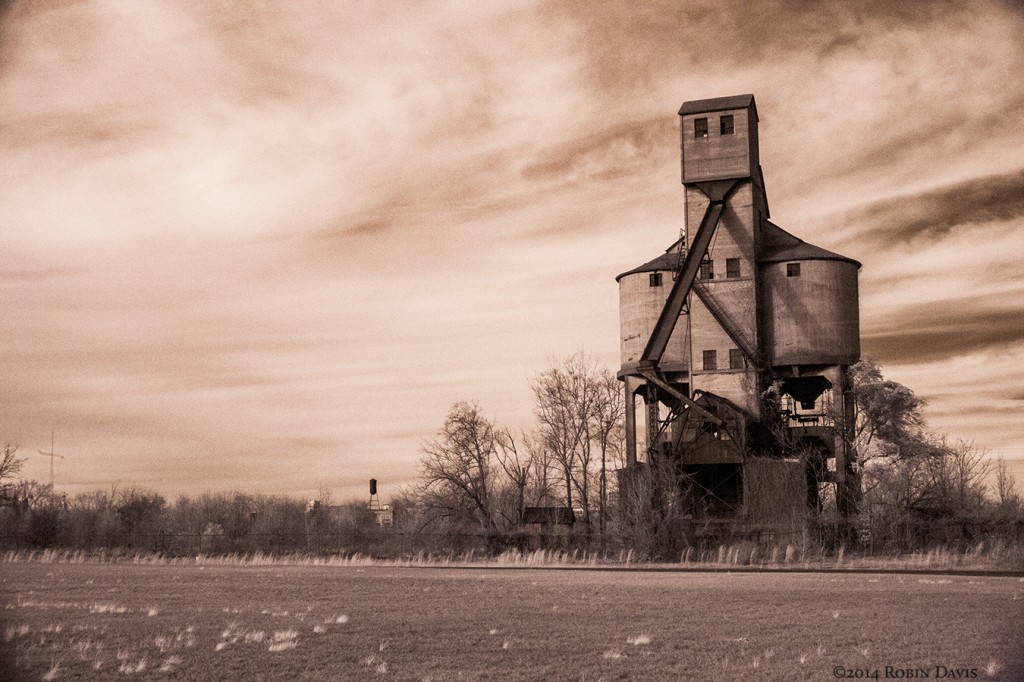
<point>104,621</point>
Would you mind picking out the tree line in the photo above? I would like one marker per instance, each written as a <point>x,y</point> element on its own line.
<point>480,478</point>
<point>136,519</point>
<point>918,486</point>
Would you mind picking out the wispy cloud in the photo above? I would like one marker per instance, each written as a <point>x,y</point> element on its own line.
<point>935,331</point>
<point>307,228</point>
<point>623,150</point>
<point>933,214</point>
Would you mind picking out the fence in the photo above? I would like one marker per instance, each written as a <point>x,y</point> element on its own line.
<point>391,543</point>
<point>956,534</point>
<point>380,543</point>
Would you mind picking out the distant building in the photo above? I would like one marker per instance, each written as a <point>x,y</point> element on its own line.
<point>382,513</point>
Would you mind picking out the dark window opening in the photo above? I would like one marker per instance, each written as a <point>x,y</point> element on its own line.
<point>727,125</point>
<point>732,267</point>
<point>655,279</point>
<point>735,358</point>
<point>700,127</point>
<point>792,269</point>
<point>707,269</point>
<point>710,360</point>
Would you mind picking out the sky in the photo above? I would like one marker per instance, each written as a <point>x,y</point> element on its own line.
<point>264,246</point>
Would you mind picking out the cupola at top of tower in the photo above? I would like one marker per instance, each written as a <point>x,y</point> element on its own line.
<point>719,138</point>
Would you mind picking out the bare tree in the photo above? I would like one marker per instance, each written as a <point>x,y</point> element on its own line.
<point>323,493</point>
<point>457,469</point>
<point>609,423</point>
<point>10,467</point>
<point>656,504</point>
<point>1007,498</point>
<point>562,425</point>
<point>10,464</point>
<point>940,481</point>
<point>956,478</point>
<point>516,468</point>
<point>579,410</point>
<point>541,487</point>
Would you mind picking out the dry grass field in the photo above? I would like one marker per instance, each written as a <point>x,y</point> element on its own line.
<point>196,622</point>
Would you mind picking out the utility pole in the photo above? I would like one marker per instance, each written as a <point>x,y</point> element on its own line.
<point>604,490</point>
<point>51,454</point>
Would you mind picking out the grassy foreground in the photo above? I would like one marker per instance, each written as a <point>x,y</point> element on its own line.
<point>199,622</point>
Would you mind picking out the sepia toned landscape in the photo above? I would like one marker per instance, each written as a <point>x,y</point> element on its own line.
<point>512,340</point>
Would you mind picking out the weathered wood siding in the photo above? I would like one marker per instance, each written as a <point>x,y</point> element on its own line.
<point>719,156</point>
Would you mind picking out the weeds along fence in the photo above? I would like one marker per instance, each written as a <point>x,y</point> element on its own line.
<point>955,534</point>
<point>46,530</point>
<point>746,554</point>
<point>724,543</point>
<point>398,546</point>
<point>383,543</point>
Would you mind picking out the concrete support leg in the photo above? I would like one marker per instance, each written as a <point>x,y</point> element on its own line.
<point>653,420</point>
<point>848,490</point>
<point>631,386</point>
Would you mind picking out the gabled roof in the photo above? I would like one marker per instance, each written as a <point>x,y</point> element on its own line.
<point>780,245</point>
<point>700,106</point>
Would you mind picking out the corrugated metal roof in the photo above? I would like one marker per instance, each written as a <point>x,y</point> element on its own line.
<point>782,246</point>
<point>700,106</point>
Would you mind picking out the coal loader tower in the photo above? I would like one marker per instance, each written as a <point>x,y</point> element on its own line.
<point>735,343</point>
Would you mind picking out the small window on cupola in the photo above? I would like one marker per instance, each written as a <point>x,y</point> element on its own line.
<point>700,127</point>
<point>792,269</point>
<point>727,125</point>
<point>655,279</point>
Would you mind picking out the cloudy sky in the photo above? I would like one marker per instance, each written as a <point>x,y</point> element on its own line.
<point>263,246</point>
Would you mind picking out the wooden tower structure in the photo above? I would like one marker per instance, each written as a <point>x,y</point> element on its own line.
<point>735,340</point>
